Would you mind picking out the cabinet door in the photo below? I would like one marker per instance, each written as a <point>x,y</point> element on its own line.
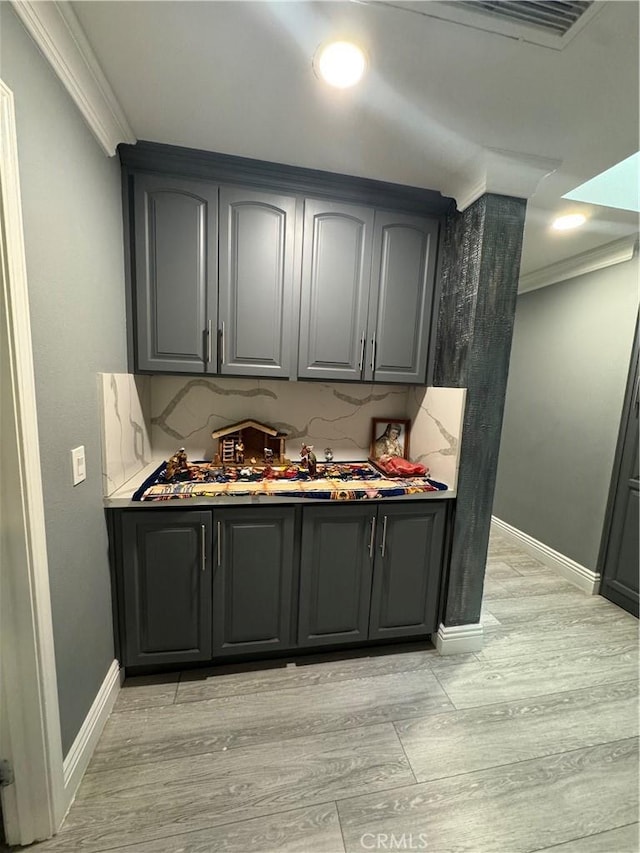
<point>620,564</point>
<point>335,574</point>
<point>336,271</point>
<point>257,232</point>
<point>166,587</point>
<point>252,582</point>
<point>407,569</point>
<point>176,273</point>
<point>403,275</point>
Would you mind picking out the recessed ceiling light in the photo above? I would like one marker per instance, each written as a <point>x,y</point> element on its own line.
<point>340,63</point>
<point>566,223</point>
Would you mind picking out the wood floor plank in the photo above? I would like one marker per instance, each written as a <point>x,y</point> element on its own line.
<point>314,829</point>
<point>528,566</point>
<point>147,802</point>
<point>623,840</point>
<point>215,724</point>
<point>497,570</point>
<point>520,566</point>
<point>527,607</point>
<point>530,586</point>
<point>490,681</point>
<point>493,735</point>
<point>522,807</point>
<point>147,691</point>
<point>509,641</point>
<point>488,621</point>
<point>198,685</point>
<point>561,617</point>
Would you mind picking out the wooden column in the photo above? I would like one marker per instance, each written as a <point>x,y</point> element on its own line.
<point>479,279</point>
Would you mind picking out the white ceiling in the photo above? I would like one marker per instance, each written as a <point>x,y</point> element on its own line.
<point>236,77</point>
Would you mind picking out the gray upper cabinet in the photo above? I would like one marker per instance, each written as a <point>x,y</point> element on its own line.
<point>402,282</point>
<point>252,579</point>
<point>176,271</point>
<point>256,293</point>
<point>265,280</point>
<point>336,273</point>
<point>367,294</point>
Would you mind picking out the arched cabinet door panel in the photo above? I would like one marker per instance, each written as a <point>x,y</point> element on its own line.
<point>256,286</point>
<point>166,587</point>
<point>253,573</point>
<point>403,275</point>
<point>176,273</point>
<point>336,273</point>
<point>335,573</point>
<point>407,570</point>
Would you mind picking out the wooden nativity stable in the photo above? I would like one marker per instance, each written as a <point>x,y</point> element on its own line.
<point>249,443</point>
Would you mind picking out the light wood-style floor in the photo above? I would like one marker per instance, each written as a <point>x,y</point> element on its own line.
<point>528,745</point>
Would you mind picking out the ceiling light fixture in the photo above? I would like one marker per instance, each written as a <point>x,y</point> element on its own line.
<point>340,63</point>
<point>566,223</point>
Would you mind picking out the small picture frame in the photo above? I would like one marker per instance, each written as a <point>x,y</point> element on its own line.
<point>389,437</point>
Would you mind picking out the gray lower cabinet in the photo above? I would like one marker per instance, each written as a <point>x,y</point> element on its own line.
<point>370,572</point>
<point>200,585</point>
<point>252,579</point>
<point>166,587</point>
<point>257,302</point>
<point>176,272</point>
<point>407,569</point>
<point>335,574</point>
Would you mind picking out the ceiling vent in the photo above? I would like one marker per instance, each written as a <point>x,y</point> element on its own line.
<point>547,23</point>
<point>552,16</point>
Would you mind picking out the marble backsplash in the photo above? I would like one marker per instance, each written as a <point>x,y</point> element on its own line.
<point>126,438</point>
<point>436,429</point>
<point>184,412</point>
<point>150,417</point>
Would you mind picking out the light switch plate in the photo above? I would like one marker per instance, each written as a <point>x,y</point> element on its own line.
<point>78,465</point>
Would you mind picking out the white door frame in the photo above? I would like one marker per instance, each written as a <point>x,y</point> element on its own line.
<point>34,805</point>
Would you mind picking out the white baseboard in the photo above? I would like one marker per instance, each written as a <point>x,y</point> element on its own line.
<point>77,759</point>
<point>460,639</point>
<point>580,576</point>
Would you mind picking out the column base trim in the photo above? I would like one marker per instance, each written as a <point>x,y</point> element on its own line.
<point>460,639</point>
<point>579,575</point>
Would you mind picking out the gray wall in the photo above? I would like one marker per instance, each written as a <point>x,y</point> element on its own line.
<point>75,268</point>
<point>571,349</point>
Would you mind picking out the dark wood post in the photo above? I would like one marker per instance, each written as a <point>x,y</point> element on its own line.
<point>479,280</point>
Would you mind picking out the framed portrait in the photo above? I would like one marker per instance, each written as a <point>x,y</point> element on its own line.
<point>389,437</point>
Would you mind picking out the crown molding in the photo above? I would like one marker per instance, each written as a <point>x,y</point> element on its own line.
<point>262,174</point>
<point>502,172</point>
<point>594,259</point>
<point>56,30</point>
